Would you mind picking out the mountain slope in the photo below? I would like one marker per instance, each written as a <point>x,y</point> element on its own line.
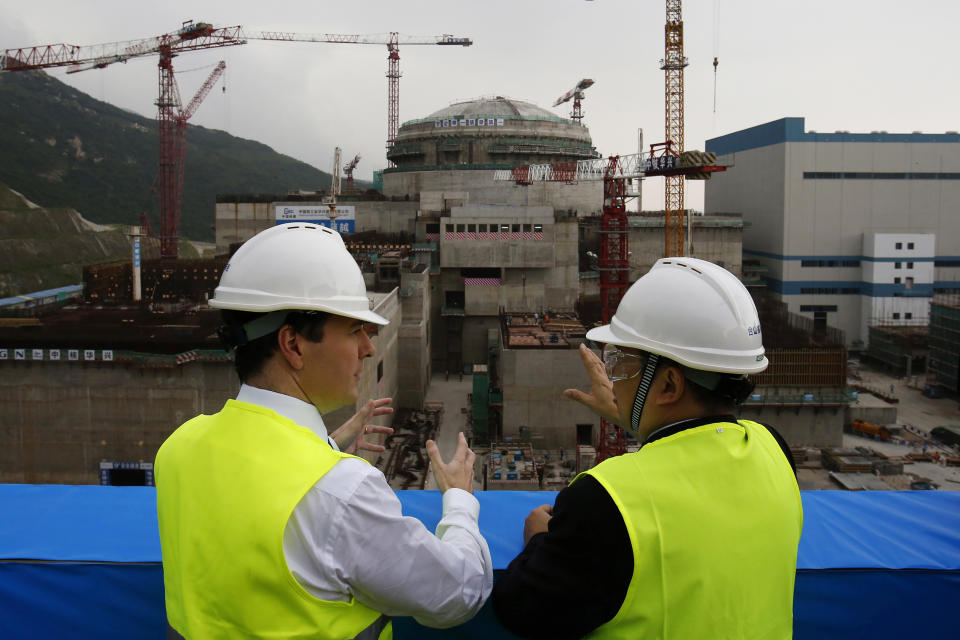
<point>45,248</point>
<point>62,148</point>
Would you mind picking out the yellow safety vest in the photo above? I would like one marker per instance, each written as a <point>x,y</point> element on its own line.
<point>714,517</point>
<point>226,486</point>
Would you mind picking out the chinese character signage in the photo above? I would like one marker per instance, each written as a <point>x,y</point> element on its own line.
<point>343,220</point>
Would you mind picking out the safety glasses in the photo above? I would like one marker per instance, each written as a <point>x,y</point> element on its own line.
<point>621,365</point>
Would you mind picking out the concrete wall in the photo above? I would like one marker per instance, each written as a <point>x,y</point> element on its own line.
<point>715,239</point>
<point>238,222</point>
<point>584,197</point>
<point>803,426</point>
<point>413,356</point>
<point>61,419</point>
<point>533,383</point>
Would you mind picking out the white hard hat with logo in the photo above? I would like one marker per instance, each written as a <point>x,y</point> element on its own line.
<point>296,266</point>
<point>692,311</point>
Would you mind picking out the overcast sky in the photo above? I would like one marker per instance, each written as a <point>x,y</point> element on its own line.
<point>857,65</point>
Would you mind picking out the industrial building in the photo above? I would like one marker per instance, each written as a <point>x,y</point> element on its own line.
<point>853,229</point>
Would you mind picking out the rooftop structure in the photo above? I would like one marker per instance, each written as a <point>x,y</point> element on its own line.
<point>457,148</point>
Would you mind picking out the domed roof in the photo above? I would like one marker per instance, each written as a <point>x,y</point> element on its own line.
<point>493,106</point>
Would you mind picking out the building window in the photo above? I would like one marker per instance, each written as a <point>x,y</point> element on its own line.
<point>896,265</point>
<point>899,245</point>
<point>516,228</point>
<point>908,316</point>
<point>472,228</point>
<point>460,228</point>
<point>433,227</point>
<point>896,316</point>
<point>909,283</point>
<point>538,228</point>
<point>449,228</point>
<point>482,228</point>
<point>909,265</point>
<point>504,228</point>
<point>896,280</point>
<point>527,228</point>
<point>909,245</point>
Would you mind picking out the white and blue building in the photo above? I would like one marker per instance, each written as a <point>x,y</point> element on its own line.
<point>853,229</point>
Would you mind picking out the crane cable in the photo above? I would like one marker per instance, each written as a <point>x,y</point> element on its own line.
<point>716,50</point>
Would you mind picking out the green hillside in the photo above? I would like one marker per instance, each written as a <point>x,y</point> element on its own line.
<point>62,148</point>
<point>43,248</point>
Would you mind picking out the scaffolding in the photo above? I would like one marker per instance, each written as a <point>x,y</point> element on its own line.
<point>902,350</point>
<point>944,356</point>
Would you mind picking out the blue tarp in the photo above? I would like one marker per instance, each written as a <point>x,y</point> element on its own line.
<point>84,562</point>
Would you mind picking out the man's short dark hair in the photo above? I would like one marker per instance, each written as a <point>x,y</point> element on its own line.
<point>250,357</point>
<point>725,398</point>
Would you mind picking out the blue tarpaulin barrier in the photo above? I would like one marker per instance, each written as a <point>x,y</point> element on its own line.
<point>84,562</point>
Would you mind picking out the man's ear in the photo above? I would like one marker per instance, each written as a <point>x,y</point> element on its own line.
<point>672,386</point>
<point>289,342</point>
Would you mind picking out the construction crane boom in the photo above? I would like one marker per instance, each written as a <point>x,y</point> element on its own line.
<point>392,40</point>
<point>575,94</point>
<point>190,37</point>
<point>348,173</point>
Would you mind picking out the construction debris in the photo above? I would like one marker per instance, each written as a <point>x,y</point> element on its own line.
<point>405,462</point>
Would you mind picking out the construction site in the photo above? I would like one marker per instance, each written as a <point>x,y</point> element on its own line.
<point>495,237</point>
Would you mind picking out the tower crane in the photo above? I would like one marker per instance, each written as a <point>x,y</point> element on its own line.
<point>575,94</point>
<point>171,116</point>
<point>392,40</point>
<point>672,64</point>
<point>348,172</point>
<point>331,199</point>
<point>613,262</point>
<point>193,36</point>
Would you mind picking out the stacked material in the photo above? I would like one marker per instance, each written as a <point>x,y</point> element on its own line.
<point>845,460</point>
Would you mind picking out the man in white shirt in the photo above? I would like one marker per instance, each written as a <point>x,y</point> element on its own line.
<point>301,539</point>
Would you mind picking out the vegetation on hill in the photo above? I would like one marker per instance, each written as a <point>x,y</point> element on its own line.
<point>46,248</point>
<point>62,148</point>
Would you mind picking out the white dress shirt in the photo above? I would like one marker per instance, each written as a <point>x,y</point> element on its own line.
<point>348,538</point>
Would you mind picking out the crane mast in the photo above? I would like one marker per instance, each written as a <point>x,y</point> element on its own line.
<point>171,125</point>
<point>672,65</point>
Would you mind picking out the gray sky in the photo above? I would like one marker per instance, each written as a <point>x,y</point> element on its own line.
<point>857,65</point>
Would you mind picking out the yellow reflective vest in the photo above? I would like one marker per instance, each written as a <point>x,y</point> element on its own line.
<point>714,518</point>
<point>226,486</point>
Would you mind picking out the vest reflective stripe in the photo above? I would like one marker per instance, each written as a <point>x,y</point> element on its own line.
<point>226,486</point>
<point>714,518</point>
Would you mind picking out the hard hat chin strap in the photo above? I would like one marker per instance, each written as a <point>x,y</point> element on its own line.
<point>646,378</point>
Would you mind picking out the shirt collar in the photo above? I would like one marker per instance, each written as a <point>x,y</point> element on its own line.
<point>683,425</point>
<point>303,413</point>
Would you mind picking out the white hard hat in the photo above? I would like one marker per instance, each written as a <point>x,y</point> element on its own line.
<point>692,311</point>
<point>295,266</point>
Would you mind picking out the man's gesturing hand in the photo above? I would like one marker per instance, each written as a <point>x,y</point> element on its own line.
<point>350,436</point>
<point>458,474</point>
<point>600,399</point>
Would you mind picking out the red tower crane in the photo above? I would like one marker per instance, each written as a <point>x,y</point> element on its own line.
<point>194,36</point>
<point>613,261</point>
<point>171,117</point>
<point>348,172</point>
<point>575,94</point>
